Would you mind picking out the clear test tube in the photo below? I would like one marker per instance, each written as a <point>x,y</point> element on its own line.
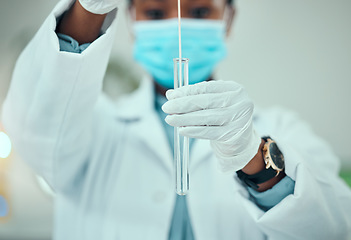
<point>181,144</point>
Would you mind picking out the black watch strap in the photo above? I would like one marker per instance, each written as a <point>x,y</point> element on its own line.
<point>258,178</point>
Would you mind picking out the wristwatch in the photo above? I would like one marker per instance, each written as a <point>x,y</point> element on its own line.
<point>274,161</point>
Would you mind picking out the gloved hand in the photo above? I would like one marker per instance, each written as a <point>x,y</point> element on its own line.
<point>99,6</point>
<point>220,111</point>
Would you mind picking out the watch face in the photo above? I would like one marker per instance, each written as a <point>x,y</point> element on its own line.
<point>276,155</point>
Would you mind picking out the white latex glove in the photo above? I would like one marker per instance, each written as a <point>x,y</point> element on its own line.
<point>220,111</point>
<point>99,6</point>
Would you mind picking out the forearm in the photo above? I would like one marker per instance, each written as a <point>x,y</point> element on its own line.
<point>80,24</point>
<point>256,165</point>
<point>317,195</point>
<point>46,106</point>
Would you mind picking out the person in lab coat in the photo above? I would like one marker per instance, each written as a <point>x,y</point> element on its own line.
<point>110,163</point>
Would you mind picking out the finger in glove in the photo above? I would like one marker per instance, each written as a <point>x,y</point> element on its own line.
<point>194,103</point>
<point>219,86</point>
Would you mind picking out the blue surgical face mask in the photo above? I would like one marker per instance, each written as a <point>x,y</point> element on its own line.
<point>156,45</point>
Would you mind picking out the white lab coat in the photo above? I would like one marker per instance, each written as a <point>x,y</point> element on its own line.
<point>111,166</point>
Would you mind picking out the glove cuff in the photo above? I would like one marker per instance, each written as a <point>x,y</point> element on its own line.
<point>97,7</point>
<point>233,163</point>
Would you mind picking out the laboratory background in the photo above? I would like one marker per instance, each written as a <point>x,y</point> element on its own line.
<point>295,54</point>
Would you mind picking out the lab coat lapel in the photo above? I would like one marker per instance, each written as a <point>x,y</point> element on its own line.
<point>139,108</point>
<point>151,131</point>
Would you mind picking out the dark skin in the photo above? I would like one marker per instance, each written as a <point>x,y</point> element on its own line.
<point>85,28</point>
<point>80,24</point>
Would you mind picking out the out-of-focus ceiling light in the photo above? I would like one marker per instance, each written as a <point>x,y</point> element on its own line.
<point>5,145</point>
<point>3,207</point>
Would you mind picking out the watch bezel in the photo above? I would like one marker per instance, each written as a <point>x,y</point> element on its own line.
<point>271,170</point>
<point>267,156</point>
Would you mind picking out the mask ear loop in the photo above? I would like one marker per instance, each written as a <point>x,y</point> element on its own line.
<point>228,16</point>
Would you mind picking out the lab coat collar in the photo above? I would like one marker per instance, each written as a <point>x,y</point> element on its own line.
<point>138,104</point>
<point>139,107</point>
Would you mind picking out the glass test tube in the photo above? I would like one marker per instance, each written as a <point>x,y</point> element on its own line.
<point>181,144</point>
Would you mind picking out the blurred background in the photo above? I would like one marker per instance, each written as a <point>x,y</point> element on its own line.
<point>296,54</point>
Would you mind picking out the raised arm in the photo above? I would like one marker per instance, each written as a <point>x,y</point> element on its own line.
<point>49,109</point>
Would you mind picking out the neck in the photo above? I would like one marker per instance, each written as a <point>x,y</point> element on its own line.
<point>159,89</point>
